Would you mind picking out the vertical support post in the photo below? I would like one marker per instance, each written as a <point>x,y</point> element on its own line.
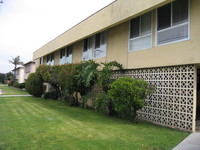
<point>194,100</point>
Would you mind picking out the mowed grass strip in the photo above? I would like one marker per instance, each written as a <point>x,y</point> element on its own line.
<point>7,90</point>
<point>34,123</point>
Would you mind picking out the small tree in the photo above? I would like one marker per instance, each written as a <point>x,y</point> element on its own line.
<point>16,61</point>
<point>50,74</point>
<point>2,77</point>
<point>34,84</point>
<point>128,95</point>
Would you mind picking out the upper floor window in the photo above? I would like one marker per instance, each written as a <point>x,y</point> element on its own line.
<point>140,33</point>
<point>28,68</point>
<point>50,59</point>
<point>173,22</point>
<point>62,56</point>
<point>87,49</point>
<point>69,54</point>
<point>100,45</point>
<point>95,46</point>
<point>66,55</point>
<point>41,60</point>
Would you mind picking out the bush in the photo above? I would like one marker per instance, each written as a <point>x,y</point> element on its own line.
<point>22,85</point>
<point>16,84</point>
<point>34,84</point>
<point>103,103</point>
<point>128,96</point>
<point>51,95</point>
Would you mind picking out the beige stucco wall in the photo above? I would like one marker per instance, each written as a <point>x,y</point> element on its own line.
<point>185,52</point>
<point>20,75</point>
<point>114,14</point>
<point>31,67</point>
<point>77,52</point>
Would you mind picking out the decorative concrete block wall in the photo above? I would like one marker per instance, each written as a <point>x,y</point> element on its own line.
<point>172,103</point>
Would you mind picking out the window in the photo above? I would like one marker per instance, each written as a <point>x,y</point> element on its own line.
<point>95,46</point>
<point>62,56</point>
<point>100,45</point>
<point>28,69</point>
<point>50,59</point>
<point>87,49</point>
<point>69,54</point>
<point>62,53</point>
<point>173,22</point>
<point>41,60</point>
<point>140,33</point>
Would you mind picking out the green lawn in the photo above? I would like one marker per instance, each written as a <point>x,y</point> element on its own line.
<point>7,90</point>
<point>28,123</point>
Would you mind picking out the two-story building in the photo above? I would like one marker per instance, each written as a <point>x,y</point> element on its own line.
<point>155,40</point>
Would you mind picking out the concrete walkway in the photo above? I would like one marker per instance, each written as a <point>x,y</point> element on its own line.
<point>192,142</point>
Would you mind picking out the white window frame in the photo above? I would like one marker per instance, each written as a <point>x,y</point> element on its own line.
<point>90,47</point>
<point>62,58</point>
<point>41,60</point>
<point>171,27</point>
<point>69,58</point>
<point>140,36</point>
<point>51,61</point>
<point>102,47</point>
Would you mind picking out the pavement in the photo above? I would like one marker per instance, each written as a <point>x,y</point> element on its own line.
<point>192,142</point>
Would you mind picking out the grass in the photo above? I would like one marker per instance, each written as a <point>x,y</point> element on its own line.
<point>7,90</point>
<point>34,123</point>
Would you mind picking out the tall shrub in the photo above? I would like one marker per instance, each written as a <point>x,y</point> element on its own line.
<point>50,74</point>
<point>67,83</point>
<point>34,84</point>
<point>128,95</point>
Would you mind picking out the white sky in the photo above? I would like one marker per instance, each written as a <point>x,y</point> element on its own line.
<point>26,25</point>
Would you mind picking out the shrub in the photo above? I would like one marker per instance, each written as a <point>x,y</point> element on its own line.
<point>128,95</point>
<point>22,85</point>
<point>103,103</point>
<point>34,84</point>
<point>16,85</point>
<point>51,95</point>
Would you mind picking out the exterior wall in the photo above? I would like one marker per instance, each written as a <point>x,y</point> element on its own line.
<point>173,103</point>
<point>165,55</point>
<point>30,67</point>
<point>114,14</point>
<point>186,52</point>
<point>20,75</point>
<point>37,63</point>
<point>57,57</point>
<point>77,52</point>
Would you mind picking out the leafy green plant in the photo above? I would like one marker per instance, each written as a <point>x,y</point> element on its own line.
<point>34,84</point>
<point>86,76</point>
<point>22,85</point>
<point>106,73</point>
<point>16,84</point>
<point>103,103</point>
<point>50,74</point>
<point>67,83</point>
<point>51,95</point>
<point>128,95</point>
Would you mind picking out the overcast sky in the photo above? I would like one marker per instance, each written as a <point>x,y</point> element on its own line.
<point>26,25</point>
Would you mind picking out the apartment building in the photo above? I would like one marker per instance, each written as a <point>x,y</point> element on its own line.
<point>29,67</point>
<point>155,40</point>
<point>19,72</point>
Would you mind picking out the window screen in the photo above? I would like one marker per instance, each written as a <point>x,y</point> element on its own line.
<point>180,11</point>
<point>85,45</point>
<point>164,17</point>
<point>97,40</point>
<point>135,24</point>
